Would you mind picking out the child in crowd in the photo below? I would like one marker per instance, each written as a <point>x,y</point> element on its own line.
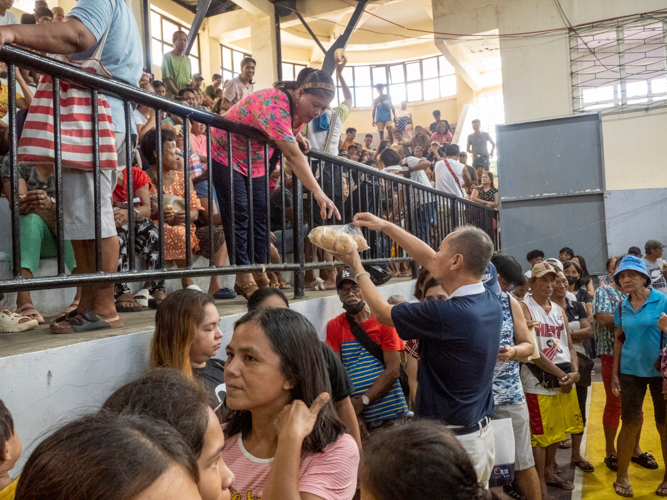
<point>10,451</point>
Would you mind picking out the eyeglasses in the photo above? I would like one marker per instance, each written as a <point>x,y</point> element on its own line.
<point>347,289</point>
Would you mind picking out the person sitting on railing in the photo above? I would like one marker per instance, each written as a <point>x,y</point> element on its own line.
<point>280,114</point>
<point>173,187</point>
<point>146,240</point>
<point>37,207</point>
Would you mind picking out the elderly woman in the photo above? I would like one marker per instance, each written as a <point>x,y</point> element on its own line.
<point>173,185</point>
<point>639,340</point>
<point>280,113</point>
<point>443,134</point>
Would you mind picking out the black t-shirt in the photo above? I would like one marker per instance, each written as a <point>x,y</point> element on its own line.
<point>583,296</point>
<point>213,375</point>
<point>575,311</point>
<point>341,386</point>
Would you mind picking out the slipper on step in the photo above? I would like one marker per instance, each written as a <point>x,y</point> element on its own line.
<point>625,491</point>
<point>85,322</point>
<point>661,491</point>
<point>562,484</point>
<point>30,311</point>
<point>645,460</point>
<point>11,322</point>
<point>583,466</point>
<point>142,297</point>
<point>225,294</point>
<point>126,303</point>
<point>611,462</point>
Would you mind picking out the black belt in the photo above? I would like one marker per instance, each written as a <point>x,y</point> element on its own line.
<point>462,431</point>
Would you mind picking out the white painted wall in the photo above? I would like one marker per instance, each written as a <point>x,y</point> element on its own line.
<point>47,388</point>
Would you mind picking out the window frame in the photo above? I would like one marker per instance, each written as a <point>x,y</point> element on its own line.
<point>169,43</point>
<point>223,69</point>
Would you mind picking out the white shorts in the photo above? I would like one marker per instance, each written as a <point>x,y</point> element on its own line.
<point>481,449</point>
<point>521,426</point>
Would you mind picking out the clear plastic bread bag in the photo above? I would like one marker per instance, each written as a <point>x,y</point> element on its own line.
<point>339,239</point>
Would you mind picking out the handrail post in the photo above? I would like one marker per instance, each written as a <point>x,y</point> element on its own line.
<point>299,253</point>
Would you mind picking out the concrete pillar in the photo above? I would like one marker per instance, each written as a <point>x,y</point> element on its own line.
<point>263,48</point>
<point>464,94</point>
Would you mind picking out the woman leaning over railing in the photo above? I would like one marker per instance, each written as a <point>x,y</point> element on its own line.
<point>279,113</point>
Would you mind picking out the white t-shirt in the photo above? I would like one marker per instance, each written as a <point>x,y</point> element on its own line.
<point>139,119</point>
<point>9,18</point>
<point>444,180</point>
<point>319,139</point>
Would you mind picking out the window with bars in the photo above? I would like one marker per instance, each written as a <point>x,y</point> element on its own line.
<point>230,62</point>
<point>411,81</point>
<point>162,32</point>
<point>291,70</point>
<point>620,65</point>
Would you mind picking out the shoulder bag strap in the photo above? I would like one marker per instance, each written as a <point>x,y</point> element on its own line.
<point>455,177</point>
<point>364,339</point>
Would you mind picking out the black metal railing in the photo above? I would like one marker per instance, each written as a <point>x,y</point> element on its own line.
<point>419,209</point>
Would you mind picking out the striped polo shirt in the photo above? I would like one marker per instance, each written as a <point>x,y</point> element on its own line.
<point>364,368</point>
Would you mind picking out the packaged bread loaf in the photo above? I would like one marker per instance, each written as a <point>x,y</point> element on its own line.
<point>338,239</point>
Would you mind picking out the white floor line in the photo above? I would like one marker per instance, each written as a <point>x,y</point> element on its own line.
<point>578,474</point>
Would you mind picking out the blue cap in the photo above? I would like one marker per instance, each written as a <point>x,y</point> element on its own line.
<point>631,263</point>
<point>490,278</point>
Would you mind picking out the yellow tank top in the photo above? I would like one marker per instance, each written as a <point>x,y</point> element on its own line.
<point>10,491</point>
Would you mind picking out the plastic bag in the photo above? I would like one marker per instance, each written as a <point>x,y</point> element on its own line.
<point>338,239</point>
<point>503,465</point>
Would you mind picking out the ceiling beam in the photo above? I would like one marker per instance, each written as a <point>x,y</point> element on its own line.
<point>458,57</point>
<point>258,8</point>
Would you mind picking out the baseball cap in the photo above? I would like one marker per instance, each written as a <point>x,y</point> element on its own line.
<point>490,278</point>
<point>346,274</point>
<point>632,263</point>
<point>555,263</point>
<point>651,244</point>
<point>636,251</point>
<point>542,269</point>
<point>197,76</point>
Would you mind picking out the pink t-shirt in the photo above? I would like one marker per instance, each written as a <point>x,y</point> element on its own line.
<point>331,475</point>
<point>199,145</point>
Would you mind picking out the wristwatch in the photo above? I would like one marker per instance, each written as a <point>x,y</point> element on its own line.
<point>365,400</point>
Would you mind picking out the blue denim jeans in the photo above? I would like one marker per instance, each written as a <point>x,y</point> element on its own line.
<point>240,229</point>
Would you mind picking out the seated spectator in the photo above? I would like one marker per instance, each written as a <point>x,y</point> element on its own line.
<point>443,134</point>
<point>435,153</point>
<point>167,396</point>
<point>378,399</point>
<point>350,136</point>
<point>384,144</point>
<point>486,193</point>
<point>107,457</point>
<point>195,166</point>
<point>58,14</point>
<point>418,152</point>
<point>37,208</point>
<point>365,157</point>
<point>160,88</point>
<point>188,95</point>
<point>173,185</point>
<point>341,386</point>
<point>187,338</point>
<point>420,449</point>
<point>580,330</point>
<point>404,120</point>
<point>146,241</point>
<point>353,152</point>
<point>273,359</point>
<point>565,254</point>
<point>199,96</point>
<point>434,126</point>
<point>43,15</point>
<point>401,143</point>
<point>213,92</point>
<point>368,143</point>
<point>585,280</point>
<point>573,275</point>
<point>421,139</point>
<point>240,87</point>
<point>144,116</point>
<point>450,176</point>
<point>198,141</point>
<point>10,452</point>
<point>521,288</point>
<point>549,379</point>
<point>534,257</point>
<point>176,65</point>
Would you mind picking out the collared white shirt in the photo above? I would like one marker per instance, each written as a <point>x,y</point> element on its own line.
<point>474,289</point>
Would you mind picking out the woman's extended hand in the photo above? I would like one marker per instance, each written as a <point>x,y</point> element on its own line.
<point>370,221</point>
<point>616,385</point>
<point>327,207</point>
<point>296,420</point>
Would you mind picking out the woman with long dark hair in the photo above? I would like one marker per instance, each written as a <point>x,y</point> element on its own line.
<point>585,280</point>
<point>187,338</point>
<point>574,274</point>
<point>283,436</point>
<point>279,113</point>
<point>109,457</point>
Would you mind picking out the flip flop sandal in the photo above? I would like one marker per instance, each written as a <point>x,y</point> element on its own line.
<point>626,491</point>
<point>122,302</point>
<point>85,322</point>
<point>645,460</point>
<point>30,311</point>
<point>661,491</point>
<point>583,466</point>
<point>611,462</point>
<point>142,297</point>
<point>563,485</point>
<point>11,322</point>
<point>242,289</point>
<point>565,445</point>
<point>285,285</point>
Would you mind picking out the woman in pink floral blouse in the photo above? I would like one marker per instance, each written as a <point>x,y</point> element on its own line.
<point>279,113</point>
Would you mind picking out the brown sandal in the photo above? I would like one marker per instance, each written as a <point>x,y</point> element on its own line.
<point>243,289</point>
<point>261,280</point>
